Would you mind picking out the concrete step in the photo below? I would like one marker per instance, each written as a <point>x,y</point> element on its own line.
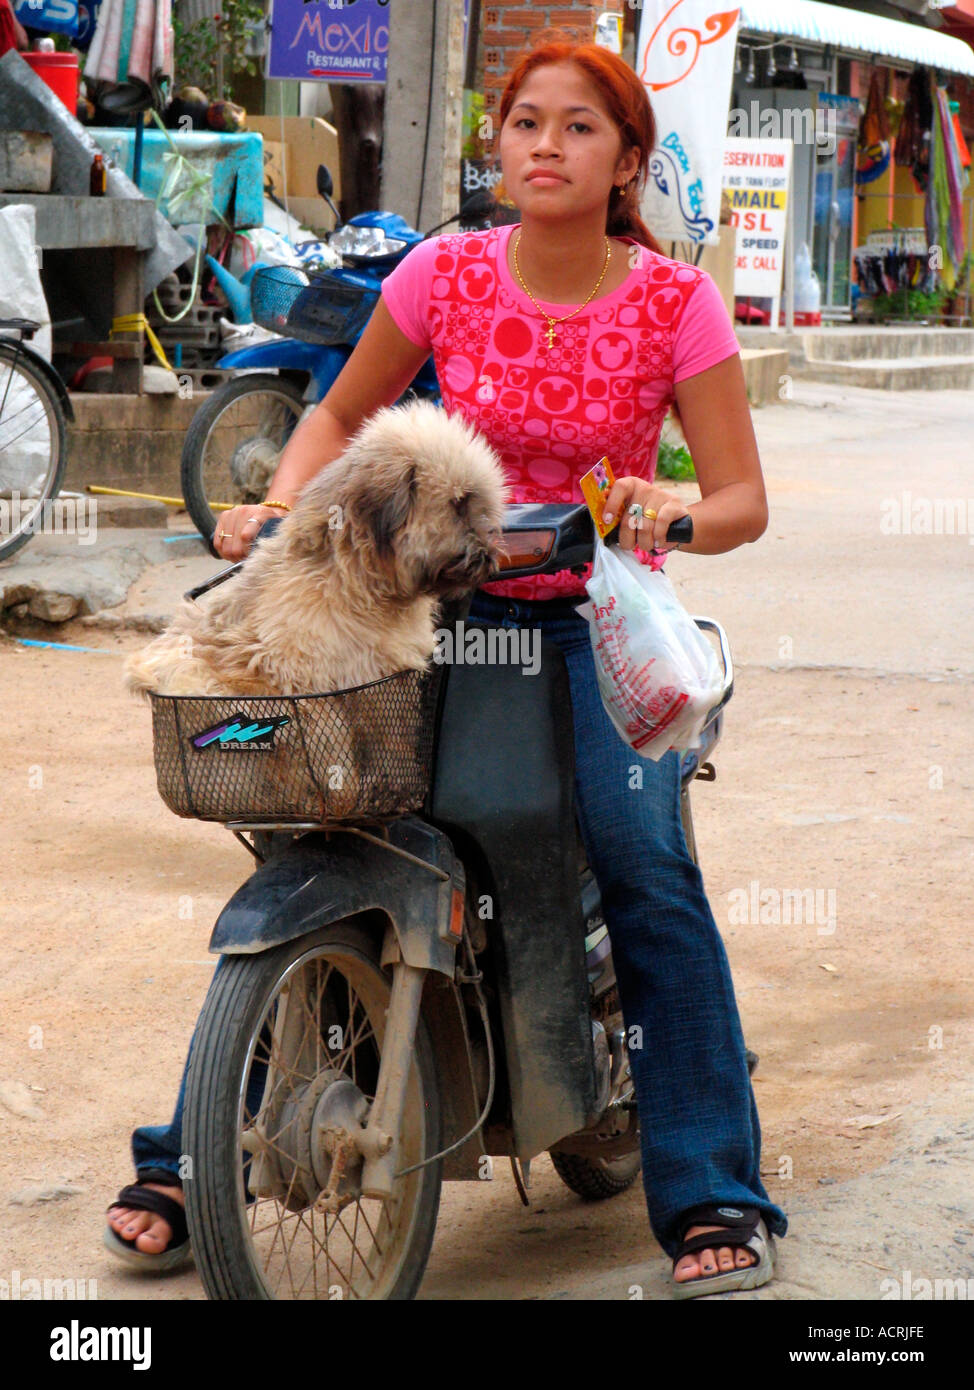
<point>870,344</point>
<point>885,374</point>
<point>854,343</point>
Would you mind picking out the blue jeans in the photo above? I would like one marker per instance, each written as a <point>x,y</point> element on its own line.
<point>701,1140</point>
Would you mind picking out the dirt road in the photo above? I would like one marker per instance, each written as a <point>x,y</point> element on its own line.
<point>847,769</point>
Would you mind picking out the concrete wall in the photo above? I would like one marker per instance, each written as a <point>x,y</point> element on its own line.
<point>132,442</point>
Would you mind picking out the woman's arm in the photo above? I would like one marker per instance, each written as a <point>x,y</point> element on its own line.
<point>733,509</point>
<point>382,365</point>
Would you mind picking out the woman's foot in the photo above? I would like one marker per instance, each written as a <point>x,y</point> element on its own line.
<point>146,1224</point>
<point>708,1262</point>
<point>721,1249</point>
<point>150,1232</point>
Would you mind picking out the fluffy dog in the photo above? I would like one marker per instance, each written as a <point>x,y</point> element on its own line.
<point>345,591</point>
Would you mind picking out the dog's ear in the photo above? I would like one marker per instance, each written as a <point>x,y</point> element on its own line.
<point>386,512</point>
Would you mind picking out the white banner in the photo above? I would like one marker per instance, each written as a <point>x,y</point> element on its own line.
<point>757,176</point>
<point>685,58</point>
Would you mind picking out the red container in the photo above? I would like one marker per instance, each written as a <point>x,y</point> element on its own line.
<point>60,72</point>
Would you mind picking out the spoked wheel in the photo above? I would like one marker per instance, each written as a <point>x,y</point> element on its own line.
<point>284,1065</point>
<point>33,446</point>
<point>233,445</point>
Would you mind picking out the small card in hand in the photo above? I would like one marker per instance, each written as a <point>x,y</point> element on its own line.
<point>596,485</point>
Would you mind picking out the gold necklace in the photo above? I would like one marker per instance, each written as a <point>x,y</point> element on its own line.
<point>550,331</point>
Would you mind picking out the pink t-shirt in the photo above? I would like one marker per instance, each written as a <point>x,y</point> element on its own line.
<point>604,388</point>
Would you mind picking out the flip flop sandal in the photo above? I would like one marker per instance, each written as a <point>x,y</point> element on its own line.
<point>138,1197</point>
<point>740,1227</point>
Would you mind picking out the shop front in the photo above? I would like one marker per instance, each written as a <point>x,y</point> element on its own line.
<point>846,87</point>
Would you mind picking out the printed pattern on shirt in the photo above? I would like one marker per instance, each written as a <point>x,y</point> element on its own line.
<point>603,388</point>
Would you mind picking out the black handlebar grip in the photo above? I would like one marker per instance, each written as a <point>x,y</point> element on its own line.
<point>680,532</point>
<point>268,527</point>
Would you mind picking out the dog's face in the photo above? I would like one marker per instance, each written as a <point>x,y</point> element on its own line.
<point>422,499</point>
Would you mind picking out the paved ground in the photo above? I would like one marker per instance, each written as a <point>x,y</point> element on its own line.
<point>847,768</point>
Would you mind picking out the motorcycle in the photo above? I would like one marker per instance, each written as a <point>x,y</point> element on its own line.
<point>405,1000</point>
<point>235,439</point>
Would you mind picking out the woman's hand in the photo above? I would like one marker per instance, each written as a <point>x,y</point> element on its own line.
<point>236,530</point>
<point>646,532</point>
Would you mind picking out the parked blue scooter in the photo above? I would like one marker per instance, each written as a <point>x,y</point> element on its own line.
<point>233,445</point>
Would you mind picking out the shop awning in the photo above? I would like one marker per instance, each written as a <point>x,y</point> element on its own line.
<point>856,32</point>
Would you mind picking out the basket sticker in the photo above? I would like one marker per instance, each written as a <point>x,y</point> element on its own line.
<point>241,733</point>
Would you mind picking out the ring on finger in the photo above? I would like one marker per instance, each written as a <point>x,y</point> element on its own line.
<point>650,514</point>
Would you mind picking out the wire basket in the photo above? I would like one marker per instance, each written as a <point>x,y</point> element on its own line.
<point>363,754</point>
<point>326,310</point>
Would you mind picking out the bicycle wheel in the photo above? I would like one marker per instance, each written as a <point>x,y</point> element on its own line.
<point>285,1061</point>
<point>33,446</point>
<point>234,442</point>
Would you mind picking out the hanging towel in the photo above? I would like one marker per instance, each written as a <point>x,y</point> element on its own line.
<point>133,47</point>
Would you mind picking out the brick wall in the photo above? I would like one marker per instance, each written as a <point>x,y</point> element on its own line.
<point>509,25</point>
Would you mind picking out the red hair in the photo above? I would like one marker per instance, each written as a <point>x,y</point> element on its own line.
<point>624,95</point>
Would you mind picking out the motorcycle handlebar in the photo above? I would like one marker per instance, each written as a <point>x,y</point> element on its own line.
<point>555,536</point>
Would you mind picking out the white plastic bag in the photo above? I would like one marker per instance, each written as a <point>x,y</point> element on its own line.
<point>658,675</point>
<point>21,292</point>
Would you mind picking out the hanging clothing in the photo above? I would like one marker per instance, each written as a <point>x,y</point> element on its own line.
<point>8,30</point>
<point>913,141</point>
<point>874,144</point>
<point>962,150</point>
<point>944,214</point>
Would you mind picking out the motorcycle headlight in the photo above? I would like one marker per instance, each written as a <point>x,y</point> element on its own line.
<point>364,241</point>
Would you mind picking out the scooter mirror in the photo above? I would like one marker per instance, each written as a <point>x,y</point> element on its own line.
<point>326,185</point>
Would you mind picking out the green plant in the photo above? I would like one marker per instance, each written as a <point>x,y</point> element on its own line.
<point>473,115</point>
<point>197,46</point>
<point>910,304</point>
<point>674,462</point>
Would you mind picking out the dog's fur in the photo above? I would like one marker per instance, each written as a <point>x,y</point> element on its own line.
<point>345,591</point>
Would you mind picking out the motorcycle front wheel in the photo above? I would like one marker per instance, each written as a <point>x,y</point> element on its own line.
<point>284,1063</point>
<point>234,442</point>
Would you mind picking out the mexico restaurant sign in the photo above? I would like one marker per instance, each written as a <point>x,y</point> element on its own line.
<point>329,40</point>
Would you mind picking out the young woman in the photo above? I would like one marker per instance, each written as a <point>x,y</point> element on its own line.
<point>563,339</point>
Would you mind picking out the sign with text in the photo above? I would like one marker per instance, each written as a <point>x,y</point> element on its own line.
<point>757,179</point>
<point>329,40</point>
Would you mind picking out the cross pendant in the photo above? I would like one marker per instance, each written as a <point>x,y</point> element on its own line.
<point>551,335</point>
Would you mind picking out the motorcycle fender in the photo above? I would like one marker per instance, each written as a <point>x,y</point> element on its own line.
<point>290,354</point>
<point>322,878</point>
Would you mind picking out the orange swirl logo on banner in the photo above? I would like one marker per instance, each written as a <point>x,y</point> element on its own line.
<point>683,42</point>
